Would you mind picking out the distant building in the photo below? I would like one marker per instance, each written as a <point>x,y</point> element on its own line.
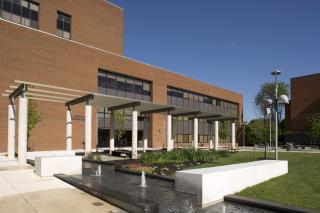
<point>305,100</point>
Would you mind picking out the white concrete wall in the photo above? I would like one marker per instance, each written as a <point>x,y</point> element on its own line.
<point>212,184</point>
<point>48,166</point>
<point>33,155</point>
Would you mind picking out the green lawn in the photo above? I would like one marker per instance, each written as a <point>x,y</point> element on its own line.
<point>300,187</point>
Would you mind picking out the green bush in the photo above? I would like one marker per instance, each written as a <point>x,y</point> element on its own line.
<point>94,156</point>
<point>182,156</point>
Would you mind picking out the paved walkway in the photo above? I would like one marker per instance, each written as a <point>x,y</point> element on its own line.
<point>23,191</point>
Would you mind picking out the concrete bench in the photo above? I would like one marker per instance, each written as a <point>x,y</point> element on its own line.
<point>33,155</point>
<point>212,184</point>
<point>50,165</point>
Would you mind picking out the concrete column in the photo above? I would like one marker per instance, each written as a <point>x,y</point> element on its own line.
<point>233,136</point>
<point>145,134</point>
<point>216,135</point>
<point>69,130</point>
<point>169,133</point>
<point>134,134</point>
<point>11,131</point>
<point>195,133</point>
<point>22,130</point>
<point>210,136</point>
<point>88,127</point>
<point>111,141</point>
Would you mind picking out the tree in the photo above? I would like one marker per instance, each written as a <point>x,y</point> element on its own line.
<point>313,126</point>
<point>120,121</point>
<point>223,131</point>
<point>34,117</point>
<point>257,131</point>
<point>267,91</point>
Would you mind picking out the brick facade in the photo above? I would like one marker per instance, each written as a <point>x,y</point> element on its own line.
<point>97,42</point>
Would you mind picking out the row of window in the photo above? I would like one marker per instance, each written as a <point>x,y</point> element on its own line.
<point>124,86</point>
<point>185,99</point>
<point>20,11</point>
<point>104,120</point>
<point>26,12</point>
<point>183,94</point>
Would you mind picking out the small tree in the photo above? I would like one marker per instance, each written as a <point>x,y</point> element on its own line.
<point>223,132</point>
<point>34,117</point>
<point>120,121</point>
<point>313,127</point>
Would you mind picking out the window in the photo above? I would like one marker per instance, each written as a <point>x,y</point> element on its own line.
<point>20,11</point>
<point>124,86</point>
<point>63,25</point>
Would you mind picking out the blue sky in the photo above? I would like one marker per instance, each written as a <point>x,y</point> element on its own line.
<point>233,44</point>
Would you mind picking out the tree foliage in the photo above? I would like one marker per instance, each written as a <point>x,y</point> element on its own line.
<point>120,121</point>
<point>313,126</point>
<point>267,91</point>
<point>256,131</point>
<point>34,117</point>
<point>223,129</point>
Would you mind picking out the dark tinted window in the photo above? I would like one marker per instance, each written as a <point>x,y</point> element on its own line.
<point>63,25</point>
<point>124,86</point>
<point>20,11</point>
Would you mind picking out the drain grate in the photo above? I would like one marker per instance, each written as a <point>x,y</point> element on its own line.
<point>97,203</point>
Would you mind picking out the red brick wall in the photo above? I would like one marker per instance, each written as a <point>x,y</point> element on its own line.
<point>305,100</point>
<point>30,55</point>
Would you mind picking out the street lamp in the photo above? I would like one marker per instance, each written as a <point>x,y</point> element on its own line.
<point>269,103</point>
<point>275,73</point>
<point>283,99</point>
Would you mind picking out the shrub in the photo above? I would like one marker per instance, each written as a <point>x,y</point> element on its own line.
<point>94,156</point>
<point>181,156</point>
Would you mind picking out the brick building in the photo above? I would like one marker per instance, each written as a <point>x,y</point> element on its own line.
<point>305,100</point>
<point>79,44</point>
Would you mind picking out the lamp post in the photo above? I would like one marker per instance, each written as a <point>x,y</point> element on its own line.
<point>275,73</point>
<point>244,134</point>
<point>268,111</point>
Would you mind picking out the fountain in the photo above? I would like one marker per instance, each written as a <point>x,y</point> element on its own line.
<point>143,180</point>
<point>97,171</point>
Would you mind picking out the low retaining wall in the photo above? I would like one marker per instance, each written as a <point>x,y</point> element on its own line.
<point>33,155</point>
<point>212,184</point>
<point>48,166</point>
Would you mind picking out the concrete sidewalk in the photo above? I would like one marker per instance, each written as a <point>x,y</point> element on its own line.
<point>23,191</point>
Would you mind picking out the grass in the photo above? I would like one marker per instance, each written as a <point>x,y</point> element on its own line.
<point>300,187</point>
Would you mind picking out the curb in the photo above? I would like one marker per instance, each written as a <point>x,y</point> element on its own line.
<point>269,205</point>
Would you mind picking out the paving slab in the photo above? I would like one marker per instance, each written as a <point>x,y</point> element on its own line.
<point>23,191</point>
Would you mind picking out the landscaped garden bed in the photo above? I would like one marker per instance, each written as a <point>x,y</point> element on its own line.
<point>167,163</point>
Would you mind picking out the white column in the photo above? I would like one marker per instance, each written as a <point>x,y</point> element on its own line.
<point>69,130</point>
<point>216,135</point>
<point>195,133</point>
<point>169,133</point>
<point>88,126</point>
<point>11,131</point>
<point>210,136</point>
<point>134,134</point>
<point>233,136</point>
<point>22,130</point>
<point>145,134</point>
<point>111,141</point>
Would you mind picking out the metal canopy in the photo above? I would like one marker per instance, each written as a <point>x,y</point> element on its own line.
<point>223,118</point>
<point>69,97</point>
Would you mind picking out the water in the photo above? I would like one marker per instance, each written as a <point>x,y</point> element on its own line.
<point>158,191</point>
<point>143,180</point>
